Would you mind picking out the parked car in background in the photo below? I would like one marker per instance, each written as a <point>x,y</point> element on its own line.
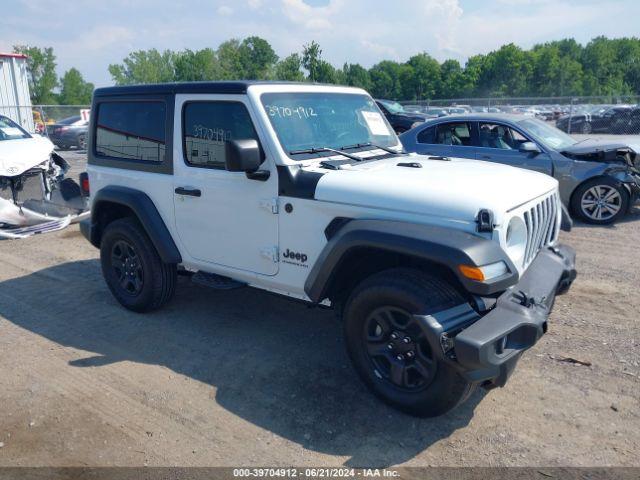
<point>69,132</point>
<point>413,108</point>
<point>594,120</point>
<point>626,122</point>
<point>599,180</point>
<point>456,110</point>
<point>544,113</point>
<point>35,195</point>
<point>400,119</point>
<point>435,111</point>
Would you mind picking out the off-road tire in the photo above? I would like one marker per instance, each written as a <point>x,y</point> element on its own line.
<point>158,278</point>
<point>605,184</point>
<point>414,292</point>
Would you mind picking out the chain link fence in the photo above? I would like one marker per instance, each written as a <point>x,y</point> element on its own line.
<point>614,115</point>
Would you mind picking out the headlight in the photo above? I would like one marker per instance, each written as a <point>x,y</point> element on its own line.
<point>516,239</point>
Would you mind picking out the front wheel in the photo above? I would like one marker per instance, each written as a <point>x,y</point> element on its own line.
<point>600,201</point>
<point>388,348</point>
<point>585,129</point>
<point>132,268</point>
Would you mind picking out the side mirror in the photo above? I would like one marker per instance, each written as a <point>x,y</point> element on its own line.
<point>242,155</point>
<point>529,147</point>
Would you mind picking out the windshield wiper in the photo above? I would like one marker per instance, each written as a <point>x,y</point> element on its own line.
<point>369,144</point>
<point>326,149</point>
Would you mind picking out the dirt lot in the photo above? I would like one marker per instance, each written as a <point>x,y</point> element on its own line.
<point>247,378</point>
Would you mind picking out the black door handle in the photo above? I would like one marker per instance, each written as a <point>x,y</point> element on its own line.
<point>487,157</point>
<point>192,192</point>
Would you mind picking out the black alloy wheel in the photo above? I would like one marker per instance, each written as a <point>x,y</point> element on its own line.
<point>127,267</point>
<point>398,350</point>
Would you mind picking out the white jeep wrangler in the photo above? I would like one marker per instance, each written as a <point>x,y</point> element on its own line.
<point>444,270</point>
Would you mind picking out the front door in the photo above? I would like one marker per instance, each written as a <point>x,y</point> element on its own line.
<point>501,144</point>
<point>222,218</point>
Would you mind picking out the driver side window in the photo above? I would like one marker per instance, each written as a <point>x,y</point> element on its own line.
<point>208,125</point>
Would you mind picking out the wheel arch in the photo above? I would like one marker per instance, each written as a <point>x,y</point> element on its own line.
<point>362,247</point>
<point>114,202</point>
<point>358,263</point>
<point>603,174</point>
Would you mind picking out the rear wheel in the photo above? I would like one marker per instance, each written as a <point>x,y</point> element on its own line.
<point>132,268</point>
<point>389,349</point>
<point>600,201</point>
<point>81,142</point>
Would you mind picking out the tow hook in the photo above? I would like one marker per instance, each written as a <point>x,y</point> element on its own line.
<point>529,301</point>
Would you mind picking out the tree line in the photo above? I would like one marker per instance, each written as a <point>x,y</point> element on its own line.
<point>559,68</point>
<point>45,86</point>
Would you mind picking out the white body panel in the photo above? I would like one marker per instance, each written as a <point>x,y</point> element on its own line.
<point>443,191</point>
<point>18,156</point>
<point>230,228</point>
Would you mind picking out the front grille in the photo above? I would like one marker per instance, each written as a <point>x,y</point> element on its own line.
<point>542,226</point>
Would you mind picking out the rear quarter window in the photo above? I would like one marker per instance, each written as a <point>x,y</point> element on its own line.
<point>132,130</point>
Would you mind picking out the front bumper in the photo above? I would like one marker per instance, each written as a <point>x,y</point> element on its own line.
<point>486,347</point>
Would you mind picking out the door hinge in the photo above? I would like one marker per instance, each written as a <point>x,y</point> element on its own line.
<point>270,204</point>
<point>271,253</point>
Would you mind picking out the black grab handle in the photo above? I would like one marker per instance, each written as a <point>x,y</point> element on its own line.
<point>192,192</point>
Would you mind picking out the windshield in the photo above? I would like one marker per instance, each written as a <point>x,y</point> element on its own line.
<point>393,107</point>
<point>549,136</point>
<point>10,130</point>
<point>305,121</point>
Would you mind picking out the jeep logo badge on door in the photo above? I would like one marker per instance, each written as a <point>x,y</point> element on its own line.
<point>295,257</point>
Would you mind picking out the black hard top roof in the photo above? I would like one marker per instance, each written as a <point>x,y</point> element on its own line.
<point>229,87</point>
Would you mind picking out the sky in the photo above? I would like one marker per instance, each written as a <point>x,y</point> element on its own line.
<point>91,34</point>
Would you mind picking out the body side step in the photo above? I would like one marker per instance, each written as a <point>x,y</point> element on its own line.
<point>217,282</point>
<point>24,232</point>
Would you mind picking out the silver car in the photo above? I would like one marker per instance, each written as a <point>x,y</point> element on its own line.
<point>599,180</point>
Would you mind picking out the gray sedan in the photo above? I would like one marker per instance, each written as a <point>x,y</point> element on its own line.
<point>599,180</point>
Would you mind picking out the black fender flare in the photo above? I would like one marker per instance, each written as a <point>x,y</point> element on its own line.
<point>145,211</point>
<point>447,247</point>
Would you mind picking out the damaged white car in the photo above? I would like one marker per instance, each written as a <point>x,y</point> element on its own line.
<point>35,196</point>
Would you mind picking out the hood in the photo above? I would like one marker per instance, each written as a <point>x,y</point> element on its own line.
<point>592,145</point>
<point>417,117</point>
<point>18,156</point>
<point>453,190</point>
<point>596,150</point>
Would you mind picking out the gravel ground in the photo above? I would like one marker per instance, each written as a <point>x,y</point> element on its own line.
<point>247,378</point>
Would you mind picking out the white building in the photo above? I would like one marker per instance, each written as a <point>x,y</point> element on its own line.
<point>15,100</point>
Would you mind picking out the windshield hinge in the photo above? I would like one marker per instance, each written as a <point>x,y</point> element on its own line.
<point>270,204</point>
